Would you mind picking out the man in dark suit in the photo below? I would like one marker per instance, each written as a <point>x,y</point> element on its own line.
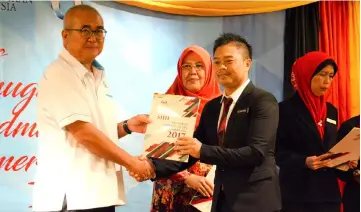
<point>237,132</point>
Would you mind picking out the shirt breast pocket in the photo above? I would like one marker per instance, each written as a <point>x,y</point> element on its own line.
<point>241,112</point>
<point>107,104</point>
<point>237,128</point>
<point>239,116</point>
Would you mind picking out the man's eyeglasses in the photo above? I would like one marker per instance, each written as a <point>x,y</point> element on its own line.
<point>87,33</point>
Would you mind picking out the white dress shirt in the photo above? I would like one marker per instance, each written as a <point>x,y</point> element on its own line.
<point>68,92</point>
<point>235,96</point>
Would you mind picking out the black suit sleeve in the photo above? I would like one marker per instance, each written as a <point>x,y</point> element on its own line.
<point>261,137</point>
<point>285,156</point>
<point>166,168</point>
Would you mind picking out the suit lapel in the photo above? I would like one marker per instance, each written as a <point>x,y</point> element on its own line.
<point>305,117</point>
<point>216,109</point>
<point>326,135</point>
<point>214,117</point>
<point>241,104</point>
<point>329,128</point>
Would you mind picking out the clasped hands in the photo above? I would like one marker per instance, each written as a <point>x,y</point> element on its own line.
<point>141,169</point>
<point>144,169</point>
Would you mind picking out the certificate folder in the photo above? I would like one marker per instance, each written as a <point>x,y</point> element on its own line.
<point>346,150</point>
<point>172,116</point>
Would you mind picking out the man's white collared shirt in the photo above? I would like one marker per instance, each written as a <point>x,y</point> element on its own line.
<point>68,92</point>
<point>235,96</point>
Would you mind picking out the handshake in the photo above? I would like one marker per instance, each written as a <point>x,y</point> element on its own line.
<point>142,169</point>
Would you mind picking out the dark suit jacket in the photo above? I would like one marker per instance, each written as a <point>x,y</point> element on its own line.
<point>245,165</point>
<point>298,138</point>
<point>351,193</point>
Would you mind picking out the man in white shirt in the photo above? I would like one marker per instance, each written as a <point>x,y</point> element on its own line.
<point>77,125</point>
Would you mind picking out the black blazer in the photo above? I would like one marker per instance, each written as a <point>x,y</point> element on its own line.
<point>351,193</point>
<point>245,165</point>
<point>298,138</point>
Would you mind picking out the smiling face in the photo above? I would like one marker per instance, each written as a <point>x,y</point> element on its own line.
<point>85,49</point>
<point>193,72</point>
<point>231,66</point>
<point>322,80</point>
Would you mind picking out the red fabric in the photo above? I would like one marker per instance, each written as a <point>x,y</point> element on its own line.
<point>210,88</point>
<point>334,40</point>
<point>303,71</point>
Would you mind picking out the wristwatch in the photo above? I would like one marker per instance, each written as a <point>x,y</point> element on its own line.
<point>126,128</point>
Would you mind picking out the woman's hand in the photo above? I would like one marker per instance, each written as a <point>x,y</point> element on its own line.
<point>317,162</point>
<point>352,164</point>
<point>201,184</point>
<point>356,175</point>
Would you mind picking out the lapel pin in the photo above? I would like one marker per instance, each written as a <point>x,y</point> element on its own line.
<point>242,111</point>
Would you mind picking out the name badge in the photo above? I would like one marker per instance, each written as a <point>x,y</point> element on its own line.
<point>331,121</point>
<point>243,111</point>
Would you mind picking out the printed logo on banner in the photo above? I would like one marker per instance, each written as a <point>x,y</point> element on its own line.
<point>55,6</point>
<point>10,5</point>
<point>3,52</point>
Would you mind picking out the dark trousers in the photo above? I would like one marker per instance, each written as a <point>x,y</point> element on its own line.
<point>310,207</point>
<point>103,209</point>
<point>222,205</point>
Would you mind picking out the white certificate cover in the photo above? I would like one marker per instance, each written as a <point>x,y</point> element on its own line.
<point>347,149</point>
<point>172,116</point>
<point>204,204</point>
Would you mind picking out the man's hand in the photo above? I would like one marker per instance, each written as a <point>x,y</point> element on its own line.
<point>317,162</point>
<point>200,184</point>
<point>141,170</point>
<point>138,123</point>
<point>188,146</point>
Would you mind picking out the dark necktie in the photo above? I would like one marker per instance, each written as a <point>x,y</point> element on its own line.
<point>222,123</point>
